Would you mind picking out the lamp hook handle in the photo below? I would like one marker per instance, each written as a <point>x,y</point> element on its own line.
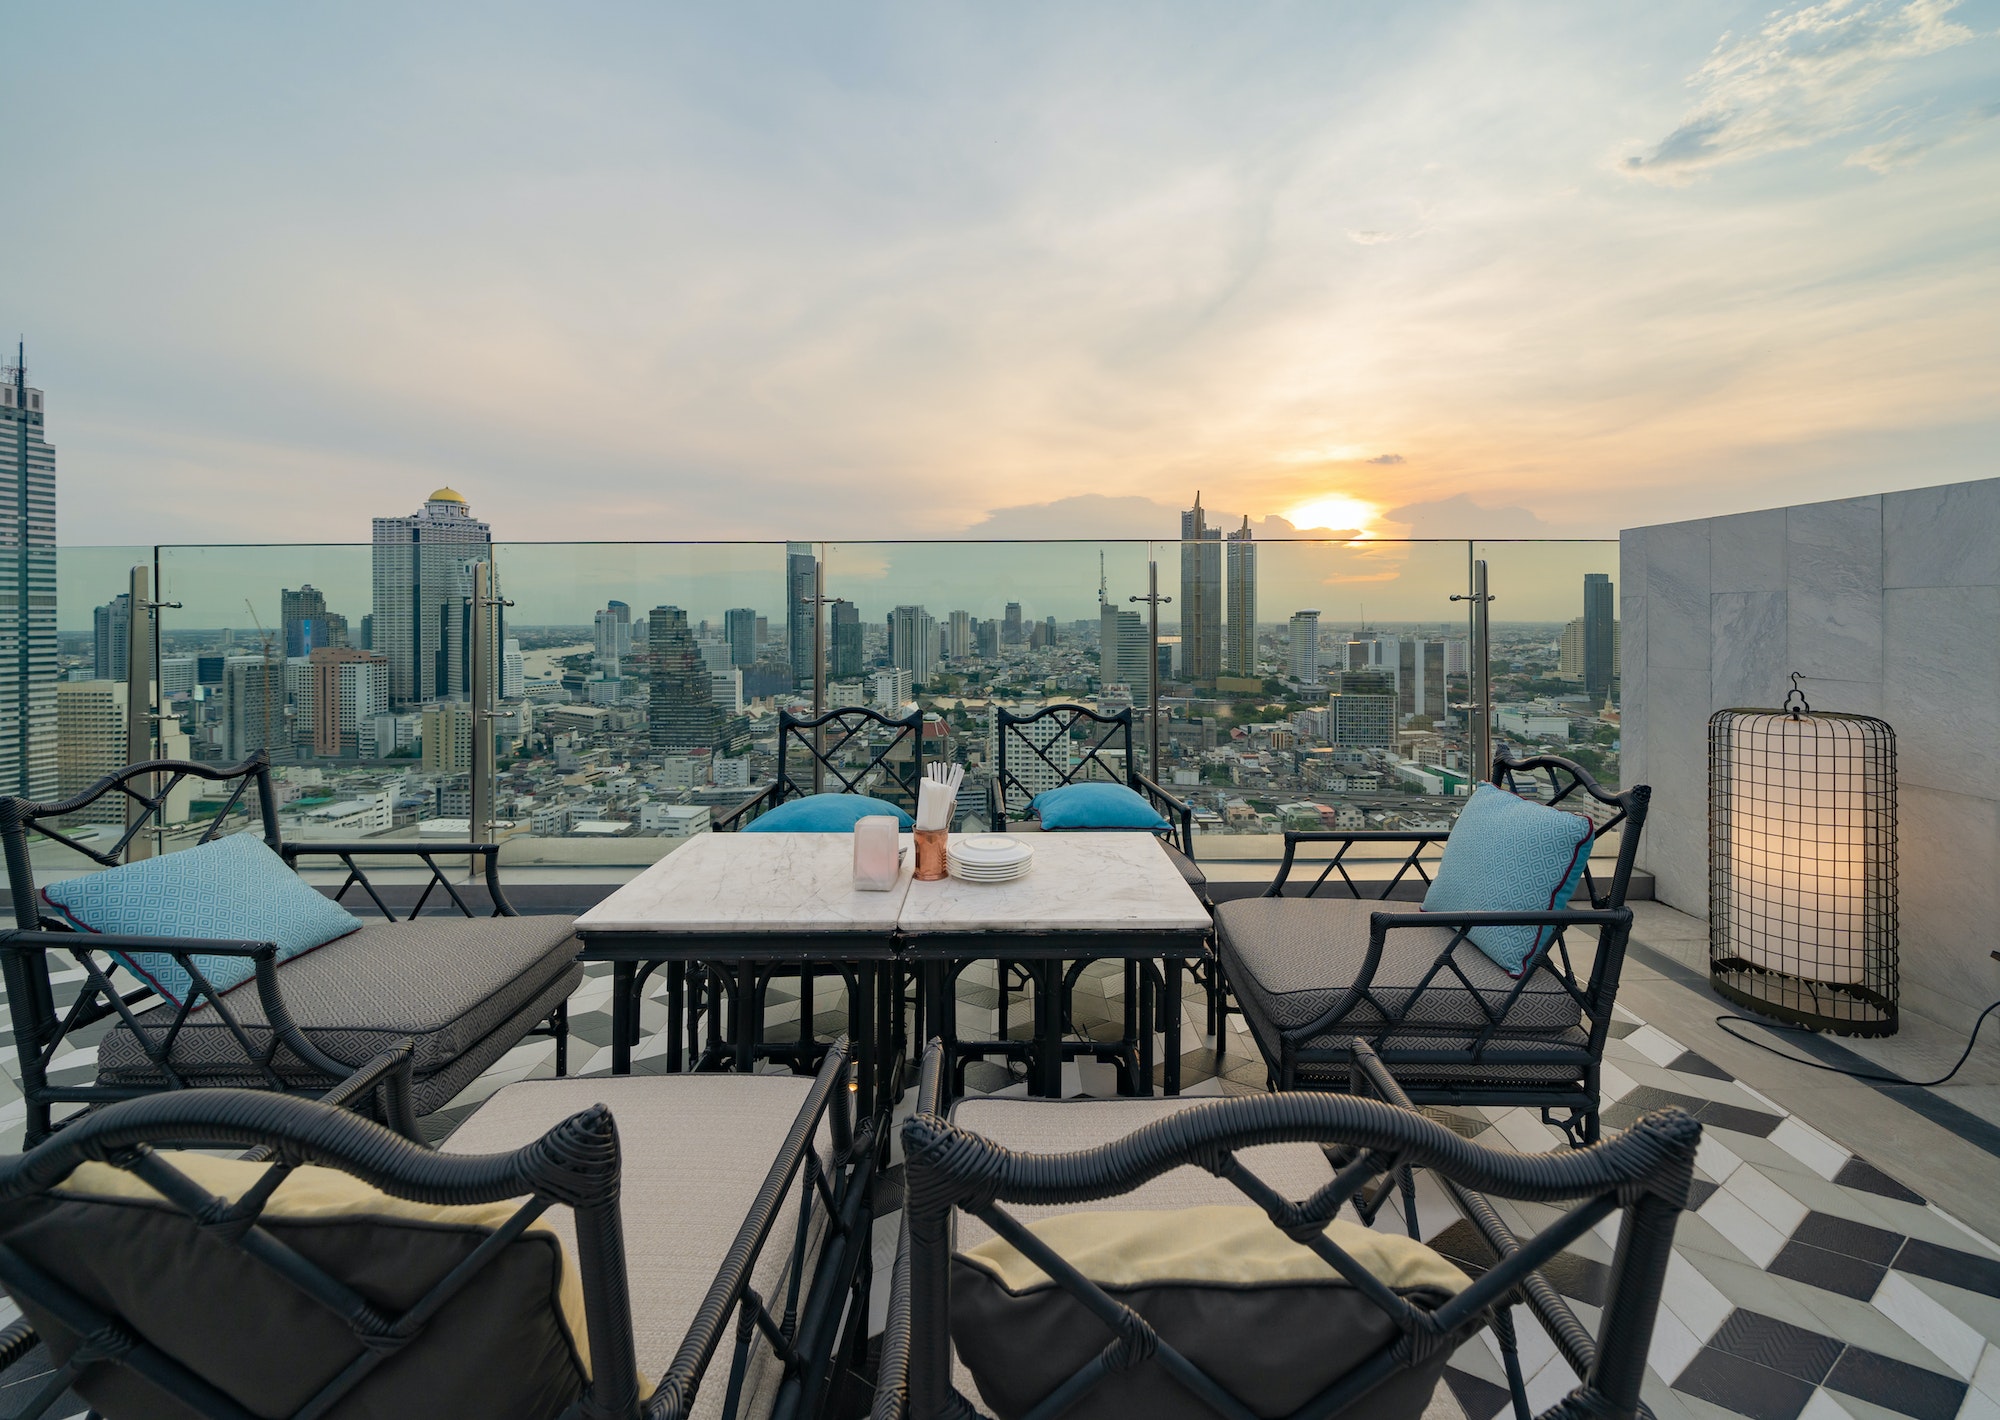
<point>1802,708</point>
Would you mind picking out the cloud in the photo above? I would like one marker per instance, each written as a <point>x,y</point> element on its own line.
<point>1460,516</point>
<point>1086,515</point>
<point>1804,77</point>
<point>1388,459</point>
<point>1370,238</point>
<point>1906,148</point>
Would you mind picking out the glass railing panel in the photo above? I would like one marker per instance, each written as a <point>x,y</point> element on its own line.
<point>960,628</point>
<point>1365,725</point>
<point>1555,650</point>
<point>1344,709</point>
<point>237,637</point>
<point>638,693</point>
<point>74,730</point>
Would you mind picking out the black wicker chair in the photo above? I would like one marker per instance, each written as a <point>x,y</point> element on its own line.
<point>1331,1149</point>
<point>854,751</point>
<point>755,1246</point>
<point>1313,974</point>
<point>466,989</point>
<point>1024,766</point>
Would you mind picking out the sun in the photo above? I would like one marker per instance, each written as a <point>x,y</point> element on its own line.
<point>1337,511</point>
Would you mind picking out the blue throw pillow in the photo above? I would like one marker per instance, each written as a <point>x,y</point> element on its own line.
<point>826,813</point>
<point>1096,804</point>
<point>234,889</point>
<point>1506,854</point>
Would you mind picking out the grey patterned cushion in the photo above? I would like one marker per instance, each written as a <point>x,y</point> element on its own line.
<point>446,982</point>
<point>1190,871</point>
<point>1290,960</point>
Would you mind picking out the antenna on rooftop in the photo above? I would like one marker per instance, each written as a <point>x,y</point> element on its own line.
<point>1103,587</point>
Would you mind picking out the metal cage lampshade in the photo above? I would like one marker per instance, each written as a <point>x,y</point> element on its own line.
<point>1802,866</point>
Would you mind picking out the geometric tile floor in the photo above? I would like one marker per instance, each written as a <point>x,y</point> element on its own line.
<point>1806,1284</point>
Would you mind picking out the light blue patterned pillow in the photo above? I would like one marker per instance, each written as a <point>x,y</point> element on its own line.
<point>1506,854</point>
<point>234,889</point>
<point>1096,805</point>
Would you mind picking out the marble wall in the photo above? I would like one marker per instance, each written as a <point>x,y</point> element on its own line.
<point>1887,605</point>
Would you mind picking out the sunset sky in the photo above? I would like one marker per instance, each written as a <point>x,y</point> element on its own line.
<point>748,270</point>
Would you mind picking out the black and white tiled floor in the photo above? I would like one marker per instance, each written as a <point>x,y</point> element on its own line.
<point>1807,1284</point>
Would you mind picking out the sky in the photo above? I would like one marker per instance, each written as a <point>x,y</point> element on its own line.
<point>631,271</point>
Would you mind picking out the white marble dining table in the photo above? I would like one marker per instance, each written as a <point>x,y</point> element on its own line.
<point>753,899</point>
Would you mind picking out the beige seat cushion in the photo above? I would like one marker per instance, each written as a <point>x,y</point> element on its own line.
<point>1059,1126</point>
<point>694,1150</point>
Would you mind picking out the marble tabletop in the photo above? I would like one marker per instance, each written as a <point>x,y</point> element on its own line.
<point>764,883</point>
<point>1081,882</point>
<point>752,883</point>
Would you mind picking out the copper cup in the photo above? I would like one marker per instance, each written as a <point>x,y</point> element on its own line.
<point>931,855</point>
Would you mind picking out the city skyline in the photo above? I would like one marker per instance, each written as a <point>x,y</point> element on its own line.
<point>1460,268</point>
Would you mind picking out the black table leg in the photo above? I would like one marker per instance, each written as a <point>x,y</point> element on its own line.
<point>1128,1063</point>
<point>1145,1028</point>
<point>676,1001</point>
<point>713,1051</point>
<point>1049,1029</point>
<point>1172,1075</point>
<point>622,973</point>
<point>888,1024</point>
<point>861,1022</point>
<point>746,1018</point>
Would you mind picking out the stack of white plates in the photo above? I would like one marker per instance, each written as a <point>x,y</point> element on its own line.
<point>988,858</point>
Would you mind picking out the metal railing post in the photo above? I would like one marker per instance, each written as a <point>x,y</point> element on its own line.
<point>485,708</point>
<point>139,701</point>
<point>1479,706</point>
<point>1153,599</point>
<point>819,668</point>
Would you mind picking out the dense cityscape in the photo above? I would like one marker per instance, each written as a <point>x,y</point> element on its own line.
<point>650,722</point>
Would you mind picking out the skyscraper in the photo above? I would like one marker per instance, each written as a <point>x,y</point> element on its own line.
<point>253,690</point>
<point>913,642</point>
<point>90,735</point>
<point>958,636</point>
<point>1240,655</point>
<point>423,597</point>
<point>1305,647</point>
<point>844,654</point>
<point>1201,597</point>
<point>739,629</point>
<point>350,688</point>
<point>1135,656</point>
<point>110,637</point>
<point>1419,668</point>
<point>683,714</point>
<point>27,590</point>
<point>1600,645</point>
<point>302,614</point>
<point>801,609</point>
<point>1010,626</point>
<point>613,628</point>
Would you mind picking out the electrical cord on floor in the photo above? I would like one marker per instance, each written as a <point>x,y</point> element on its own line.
<point>1876,1077</point>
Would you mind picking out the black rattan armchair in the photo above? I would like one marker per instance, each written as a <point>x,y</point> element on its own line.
<point>465,989</point>
<point>854,750</point>
<point>755,1249</point>
<point>1331,1149</point>
<point>1024,767</point>
<point>1312,974</point>
<point>1096,746</point>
